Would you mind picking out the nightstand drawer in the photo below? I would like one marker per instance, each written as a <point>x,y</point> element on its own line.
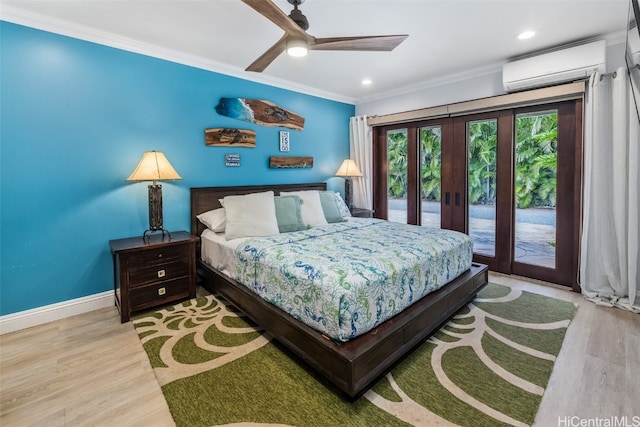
<point>158,293</point>
<point>158,273</point>
<point>159,256</point>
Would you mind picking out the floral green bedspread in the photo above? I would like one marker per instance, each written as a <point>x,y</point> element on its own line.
<point>346,278</point>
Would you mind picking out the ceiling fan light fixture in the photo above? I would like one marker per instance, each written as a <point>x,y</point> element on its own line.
<point>297,47</point>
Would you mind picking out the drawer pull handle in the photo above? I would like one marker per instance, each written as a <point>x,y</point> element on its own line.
<point>161,273</point>
<point>159,255</point>
<point>162,291</point>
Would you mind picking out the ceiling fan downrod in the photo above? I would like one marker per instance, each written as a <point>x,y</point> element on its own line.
<point>297,16</point>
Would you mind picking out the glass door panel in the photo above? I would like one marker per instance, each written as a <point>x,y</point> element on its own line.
<point>482,138</point>
<point>397,175</point>
<point>536,169</point>
<point>430,175</point>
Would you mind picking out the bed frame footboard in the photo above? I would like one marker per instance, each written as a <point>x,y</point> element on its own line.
<point>355,365</point>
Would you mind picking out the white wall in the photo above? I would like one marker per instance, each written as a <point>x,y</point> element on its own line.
<point>482,85</point>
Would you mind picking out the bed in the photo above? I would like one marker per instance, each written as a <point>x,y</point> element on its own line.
<point>350,358</point>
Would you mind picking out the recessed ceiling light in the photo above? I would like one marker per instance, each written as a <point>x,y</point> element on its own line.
<point>366,82</point>
<point>526,35</point>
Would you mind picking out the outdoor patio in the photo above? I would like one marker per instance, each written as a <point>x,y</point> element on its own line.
<point>533,237</point>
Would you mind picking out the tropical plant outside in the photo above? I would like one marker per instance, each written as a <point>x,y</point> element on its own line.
<point>397,161</point>
<point>536,161</point>
<point>482,139</point>
<point>430,161</point>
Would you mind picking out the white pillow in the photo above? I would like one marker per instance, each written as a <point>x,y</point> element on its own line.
<point>215,220</point>
<point>250,215</point>
<point>312,213</point>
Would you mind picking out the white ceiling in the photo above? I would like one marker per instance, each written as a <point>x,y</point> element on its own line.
<point>446,37</point>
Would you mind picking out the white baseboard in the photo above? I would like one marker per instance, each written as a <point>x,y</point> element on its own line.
<point>49,313</point>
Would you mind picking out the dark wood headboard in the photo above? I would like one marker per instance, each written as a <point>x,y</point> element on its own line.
<point>204,199</point>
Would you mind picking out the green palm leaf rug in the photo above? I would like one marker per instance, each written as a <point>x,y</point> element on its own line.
<point>488,366</point>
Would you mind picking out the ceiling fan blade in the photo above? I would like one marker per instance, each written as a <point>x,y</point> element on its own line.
<point>374,43</point>
<point>272,12</point>
<point>269,56</point>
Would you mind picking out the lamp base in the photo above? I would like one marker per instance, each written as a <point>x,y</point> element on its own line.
<point>146,237</point>
<point>348,192</point>
<point>155,213</point>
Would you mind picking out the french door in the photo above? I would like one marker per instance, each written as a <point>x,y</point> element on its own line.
<point>511,179</point>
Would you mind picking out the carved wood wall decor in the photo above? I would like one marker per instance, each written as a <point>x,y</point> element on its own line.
<point>285,162</point>
<point>261,112</point>
<point>230,137</point>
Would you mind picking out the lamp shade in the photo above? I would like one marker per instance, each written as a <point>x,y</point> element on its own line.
<point>348,169</point>
<point>154,166</point>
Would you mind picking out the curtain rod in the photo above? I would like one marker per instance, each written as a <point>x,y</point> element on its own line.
<point>614,74</point>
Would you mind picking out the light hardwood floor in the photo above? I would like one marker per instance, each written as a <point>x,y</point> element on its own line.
<point>90,370</point>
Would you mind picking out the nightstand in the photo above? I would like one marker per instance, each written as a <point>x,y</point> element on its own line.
<point>362,213</point>
<point>153,273</point>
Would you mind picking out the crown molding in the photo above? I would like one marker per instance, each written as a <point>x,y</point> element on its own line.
<point>58,26</point>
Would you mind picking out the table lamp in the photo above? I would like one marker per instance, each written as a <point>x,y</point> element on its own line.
<point>154,166</point>
<point>348,169</point>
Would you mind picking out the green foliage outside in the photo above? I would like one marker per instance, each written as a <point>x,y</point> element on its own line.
<point>536,161</point>
<point>483,138</point>
<point>431,162</point>
<point>397,161</point>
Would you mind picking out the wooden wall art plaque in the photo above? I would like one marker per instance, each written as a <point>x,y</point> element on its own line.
<point>279,162</point>
<point>230,137</point>
<point>261,112</point>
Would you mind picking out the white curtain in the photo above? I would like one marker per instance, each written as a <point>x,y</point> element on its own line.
<point>360,146</point>
<point>610,257</point>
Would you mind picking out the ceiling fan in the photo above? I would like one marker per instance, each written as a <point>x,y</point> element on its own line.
<point>296,39</point>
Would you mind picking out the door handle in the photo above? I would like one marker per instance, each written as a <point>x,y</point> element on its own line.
<point>457,199</point>
<point>447,198</point>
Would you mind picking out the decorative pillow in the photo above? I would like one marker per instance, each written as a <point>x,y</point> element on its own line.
<point>214,220</point>
<point>288,214</point>
<point>250,215</point>
<point>342,206</point>
<point>311,208</point>
<point>330,207</point>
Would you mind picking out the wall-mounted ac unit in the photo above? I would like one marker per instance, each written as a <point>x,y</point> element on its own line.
<point>570,64</point>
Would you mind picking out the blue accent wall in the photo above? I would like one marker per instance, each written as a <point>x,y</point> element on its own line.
<point>76,118</point>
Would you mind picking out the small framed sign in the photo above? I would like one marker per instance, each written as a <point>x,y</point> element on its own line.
<point>232,160</point>
<point>284,140</point>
